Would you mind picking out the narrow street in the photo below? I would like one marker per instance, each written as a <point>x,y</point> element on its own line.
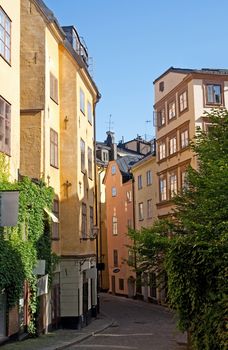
<point>136,325</point>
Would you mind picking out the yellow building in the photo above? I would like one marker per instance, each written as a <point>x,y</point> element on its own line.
<point>40,119</point>
<point>79,218</point>
<point>9,117</point>
<point>181,97</point>
<point>58,99</point>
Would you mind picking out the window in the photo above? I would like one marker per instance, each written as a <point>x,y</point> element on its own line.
<point>5,126</point>
<point>161,86</point>
<point>115,258</point>
<point>114,226</point>
<point>113,169</point>
<point>121,284</point>
<point>161,117</point>
<point>183,101</point>
<point>162,150</point>
<point>140,211</point>
<point>114,192</point>
<point>163,189</point>
<point>55,225</point>
<point>129,223</point>
<point>149,209</point>
<point>172,110</point>
<point>5,36</point>
<point>104,156</point>
<point>173,185</point>
<point>131,259</point>
<point>84,220</point>
<point>213,94</point>
<point>129,196</point>
<point>90,163</point>
<point>172,145</point>
<point>89,113</point>
<point>149,177</point>
<point>140,182</point>
<point>91,220</point>
<point>184,139</point>
<point>53,148</point>
<point>53,88</point>
<point>82,101</point>
<point>82,146</point>
<point>184,181</point>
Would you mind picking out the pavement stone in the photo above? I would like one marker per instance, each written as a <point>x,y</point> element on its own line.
<point>62,338</point>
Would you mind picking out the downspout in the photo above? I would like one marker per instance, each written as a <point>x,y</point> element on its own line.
<point>96,191</point>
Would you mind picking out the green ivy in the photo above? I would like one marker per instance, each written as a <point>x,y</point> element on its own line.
<point>21,246</point>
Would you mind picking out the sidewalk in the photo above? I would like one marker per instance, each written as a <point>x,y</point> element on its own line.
<point>61,338</point>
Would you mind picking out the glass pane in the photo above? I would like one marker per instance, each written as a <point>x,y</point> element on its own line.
<point>1,33</point>
<point>217,93</point>
<point>1,18</point>
<point>1,48</point>
<point>210,94</point>
<point>7,25</point>
<point>7,40</point>
<point>7,54</point>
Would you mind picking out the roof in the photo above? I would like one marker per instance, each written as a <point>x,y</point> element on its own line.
<point>125,163</point>
<point>50,15</point>
<point>52,19</point>
<point>214,71</point>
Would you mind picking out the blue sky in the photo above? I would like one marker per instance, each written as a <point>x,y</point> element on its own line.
<point>132,42</point>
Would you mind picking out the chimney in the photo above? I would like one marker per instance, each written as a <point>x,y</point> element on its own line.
<point>110,141</point>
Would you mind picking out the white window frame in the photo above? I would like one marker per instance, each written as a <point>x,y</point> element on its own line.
<point>162,150</point>
<point>184,138</point>
<point>173,145</point>
<point>5,36</point>
<point>163,188</point>
<point>183,101</point>
<point>173,184</point>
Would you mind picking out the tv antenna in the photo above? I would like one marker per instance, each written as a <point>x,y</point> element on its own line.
<point>110,123</point>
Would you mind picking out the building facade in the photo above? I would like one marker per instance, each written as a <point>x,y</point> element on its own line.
<point>9,120</point>
<point>119,217</point>
<point>79,218</point>
<point>145,213</point>
<point>181,98</point>
<point>58,100</point>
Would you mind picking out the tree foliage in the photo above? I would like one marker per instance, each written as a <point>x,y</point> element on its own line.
<point>192,244</point>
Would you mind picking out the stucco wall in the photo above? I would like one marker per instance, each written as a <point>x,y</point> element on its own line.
<point>10,86</point>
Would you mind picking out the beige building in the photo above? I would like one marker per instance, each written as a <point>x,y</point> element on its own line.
<point>181,98</point>
<point>58,99</point>
<point>9,119</point>
<point>145,196</point>
<point>145,212</point>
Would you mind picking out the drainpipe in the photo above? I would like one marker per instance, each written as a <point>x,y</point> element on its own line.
<point>96,191</point>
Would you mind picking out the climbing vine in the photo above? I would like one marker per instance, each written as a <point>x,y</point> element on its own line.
<point>23,245</point>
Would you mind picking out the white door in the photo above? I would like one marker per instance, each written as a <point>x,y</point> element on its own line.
<point>2,315</point>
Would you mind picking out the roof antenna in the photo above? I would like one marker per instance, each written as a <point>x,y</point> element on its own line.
<point>110,123</point>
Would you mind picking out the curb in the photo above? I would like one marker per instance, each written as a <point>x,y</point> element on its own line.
<point>84,337</point>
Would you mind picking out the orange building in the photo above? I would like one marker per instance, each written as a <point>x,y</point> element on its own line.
<point>120,216</point>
